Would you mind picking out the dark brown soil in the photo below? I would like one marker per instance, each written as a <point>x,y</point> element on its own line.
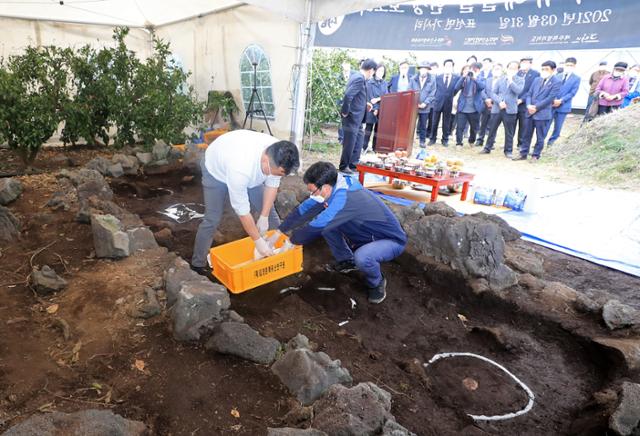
<point>184,390</point>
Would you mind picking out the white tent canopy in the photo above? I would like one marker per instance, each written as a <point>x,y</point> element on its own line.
<point>155,13</point>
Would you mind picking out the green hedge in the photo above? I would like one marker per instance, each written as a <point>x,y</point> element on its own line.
<point>91,91</point>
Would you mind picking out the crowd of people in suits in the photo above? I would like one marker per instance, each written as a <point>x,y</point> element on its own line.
<point>475,101</point>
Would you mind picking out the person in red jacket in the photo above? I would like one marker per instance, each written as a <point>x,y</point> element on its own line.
<point>612,89</point>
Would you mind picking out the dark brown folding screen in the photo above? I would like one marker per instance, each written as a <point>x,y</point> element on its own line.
<point>397,121</point>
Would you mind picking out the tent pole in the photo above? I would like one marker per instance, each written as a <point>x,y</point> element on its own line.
<point>297,120</point>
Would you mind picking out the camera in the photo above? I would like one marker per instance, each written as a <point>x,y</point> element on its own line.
<point>470,74</point>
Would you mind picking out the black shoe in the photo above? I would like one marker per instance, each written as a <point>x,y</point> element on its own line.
<point>445,143</point>
<point>347,171</point>
<point>203,270</point>
<point>422,145</point>
<point>479,143</point>
<point>485,151</point>
<point>432,142</point>
<point>344,267</point>
<point>379,293</point>
<point>519,157</point>
<point>459,144</point>
<point>534,159</point>
<point>550,143</point>
<point>508,155</point>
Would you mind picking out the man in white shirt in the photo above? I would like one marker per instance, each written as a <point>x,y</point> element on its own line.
<point>246,166</point>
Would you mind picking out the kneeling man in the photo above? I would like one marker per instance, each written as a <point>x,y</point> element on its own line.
<point>360,229</point>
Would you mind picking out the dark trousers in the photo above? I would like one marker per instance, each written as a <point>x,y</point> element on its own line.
<point>522,122</point>
<point>421,130</point>
<point>484,123</point>
<point>473,120</point>
<point>606,109</point>
<point>558,121</point>
<point>509,123</point>
<point>445,113</point>
<point>368,130</point>
<point>541,128</point>
<point>452,126</point>
<point>351,144</point>
<point>430,123</point>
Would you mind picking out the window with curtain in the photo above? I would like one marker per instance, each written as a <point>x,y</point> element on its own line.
<point>255,54</point>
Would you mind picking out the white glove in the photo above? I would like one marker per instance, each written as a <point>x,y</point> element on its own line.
<point>262,248</point>
<point>263,225</point>
<point>271,240</point>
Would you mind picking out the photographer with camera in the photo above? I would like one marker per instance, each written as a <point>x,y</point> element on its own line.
<point>470,103</point>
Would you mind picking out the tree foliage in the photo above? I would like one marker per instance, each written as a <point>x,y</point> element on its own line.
<point>94,91</point>
<point>32,96</point>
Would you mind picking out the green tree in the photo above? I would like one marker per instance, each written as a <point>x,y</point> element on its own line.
<point>33,92</point>
<point>123,100</point>
<point>87,113</point>
<point>326,88</point>
<point>165,104</point>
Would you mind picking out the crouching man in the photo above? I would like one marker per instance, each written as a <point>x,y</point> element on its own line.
<point>360,229</point>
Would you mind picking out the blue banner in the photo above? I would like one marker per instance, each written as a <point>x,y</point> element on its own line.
<point>502,25</point>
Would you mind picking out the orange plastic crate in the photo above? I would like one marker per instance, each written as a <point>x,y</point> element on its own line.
<point>234,266</point>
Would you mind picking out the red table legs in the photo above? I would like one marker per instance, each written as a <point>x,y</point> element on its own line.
<point>434,193</point>
<point>465,190</point>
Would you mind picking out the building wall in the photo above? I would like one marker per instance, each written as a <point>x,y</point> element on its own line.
<point>18,34</point>
<point>211,47</point>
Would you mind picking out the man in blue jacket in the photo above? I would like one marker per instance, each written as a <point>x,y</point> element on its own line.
<point>354,107</point>
<point>425,84</point>
<point>360,229</point>
<point>529,76</point>
<point>562,105</point>
<point>470,103</point>
<point>544,90</point>
<point>443,103</point>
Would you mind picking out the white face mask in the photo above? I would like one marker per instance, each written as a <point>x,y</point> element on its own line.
<point>545,74</point>
<point>497,73</point>
<point>317,198</point>
<point>448,69</point>
<point>569,70</point>
<point>616,73</point>
<point>512,73</point>
<point>525,66</point>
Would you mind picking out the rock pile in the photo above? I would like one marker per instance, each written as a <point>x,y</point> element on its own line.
<point>10,190</point>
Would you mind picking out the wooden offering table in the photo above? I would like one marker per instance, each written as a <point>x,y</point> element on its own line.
<point>435,182</point>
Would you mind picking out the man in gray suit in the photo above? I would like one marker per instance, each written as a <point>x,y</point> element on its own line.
<point>501,94</point>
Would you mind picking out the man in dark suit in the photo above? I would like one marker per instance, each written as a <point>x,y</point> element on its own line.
<point>529,76</point>
<point>442,106</point>
<point>502,92</point>
<point>343,78</point>
<point>487,66</point>
<point>562,105</point>
<point>354,107</point>
<point>402,81</point>
<point>425,84</point>
<point>544,90</point>
<point>470,103</point>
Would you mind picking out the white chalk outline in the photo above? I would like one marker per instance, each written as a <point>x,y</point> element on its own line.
<point>526,409</point>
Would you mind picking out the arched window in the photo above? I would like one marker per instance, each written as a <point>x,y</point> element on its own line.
<point>255,54</point>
